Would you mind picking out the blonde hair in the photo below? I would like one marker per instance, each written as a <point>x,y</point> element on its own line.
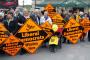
<point>25,9</point>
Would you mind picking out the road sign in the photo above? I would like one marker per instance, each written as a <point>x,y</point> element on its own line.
<point>31,35</point>
<point>47,27</point>
<point>73,31</point>
<point>12,45</point>
<point>58,19</point>
<point>3,33</point>
<point>50,9</point>
<point>86,24</point>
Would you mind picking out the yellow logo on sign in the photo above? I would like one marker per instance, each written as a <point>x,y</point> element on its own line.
<point>29,26</point>
<point>71,23</point>
<point>72,31</point>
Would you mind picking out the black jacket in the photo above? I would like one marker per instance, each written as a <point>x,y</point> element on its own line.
<point>12,27</point>
<point>21,19</point>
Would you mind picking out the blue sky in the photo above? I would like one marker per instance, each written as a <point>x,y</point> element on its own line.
<point>26,2</point>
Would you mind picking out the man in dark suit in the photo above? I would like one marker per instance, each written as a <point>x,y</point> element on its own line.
<point>10,23</point>
<point>26,14</point>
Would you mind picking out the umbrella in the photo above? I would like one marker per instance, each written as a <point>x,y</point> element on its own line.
<point>42,4</point>
<point>45,3</point>
<point>74,3</point>
<point>88,3</point>
<point>81,4</point>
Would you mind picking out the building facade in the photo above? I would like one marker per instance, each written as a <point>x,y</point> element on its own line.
<point>8,3</point>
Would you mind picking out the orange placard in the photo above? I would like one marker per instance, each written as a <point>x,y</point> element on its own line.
<point>12,45</point>
<point>58,19</point>
<point>3,33</point>
<point>47,27</point>
<point>31,35</point>
<point>86,24</point>
<point>72,31</point>
<point>49,7</point>
<point>51,14</point>
<point>50,10</point>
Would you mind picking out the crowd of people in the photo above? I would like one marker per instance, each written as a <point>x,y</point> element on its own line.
<point>78,16</point>
<point>14,19</point>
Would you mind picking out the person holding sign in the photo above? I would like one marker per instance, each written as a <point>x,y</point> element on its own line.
<point>22,18</point>
<point>26,14</point>
<point>85,17</point>
<point>35,15</point>
<point>45,17</point>
<point>55,39</point>
<point>10,23</point>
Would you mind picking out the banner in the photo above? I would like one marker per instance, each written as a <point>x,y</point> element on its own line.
<point>86,24</point>
<point>12,45</point>
<point>31,35</point>
<point>3,33</point>
<point>72,31</point>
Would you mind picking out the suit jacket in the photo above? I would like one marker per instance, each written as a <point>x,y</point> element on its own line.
<point>21,19</point>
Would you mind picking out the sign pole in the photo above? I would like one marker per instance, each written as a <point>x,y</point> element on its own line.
<point>35,4</point>
<point>23,3</point>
